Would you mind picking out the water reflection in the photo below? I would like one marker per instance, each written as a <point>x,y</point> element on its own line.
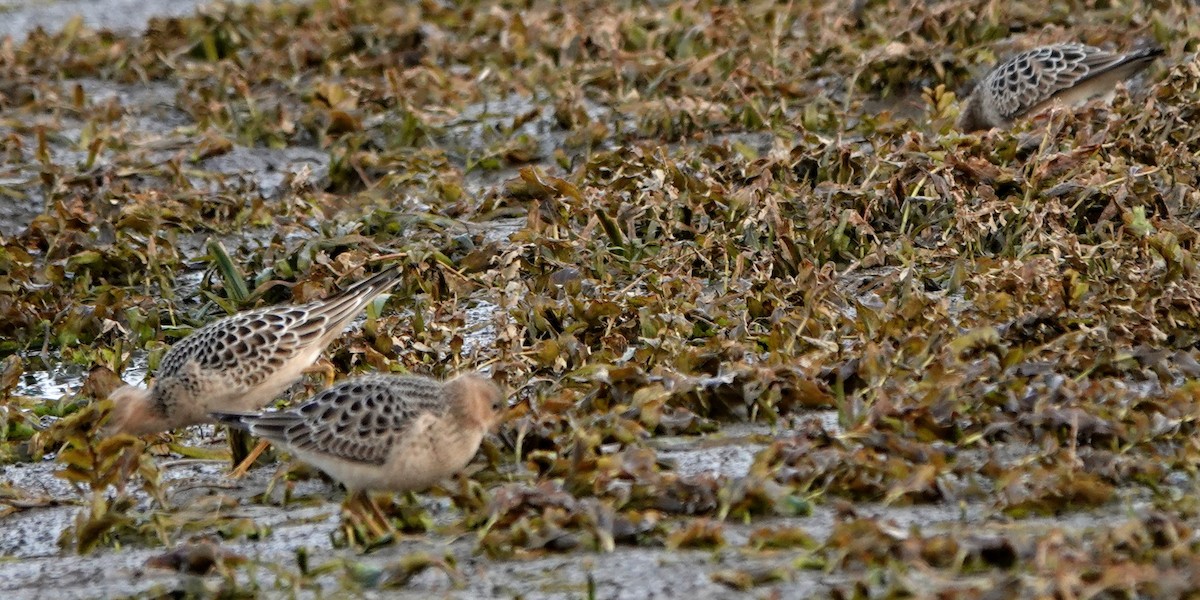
<point>67,379</point>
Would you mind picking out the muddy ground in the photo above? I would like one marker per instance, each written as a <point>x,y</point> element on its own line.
<point>742,242</point>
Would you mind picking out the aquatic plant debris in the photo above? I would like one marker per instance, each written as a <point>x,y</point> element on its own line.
<point>952,364</point>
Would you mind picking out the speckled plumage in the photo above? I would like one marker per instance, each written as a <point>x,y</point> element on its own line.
<point>384,432</point>
<point>1029,82</point>
<point>241,362</point>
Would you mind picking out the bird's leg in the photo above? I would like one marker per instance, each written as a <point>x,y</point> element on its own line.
<point>242,465</point>
<point>239,444</point>
<point>361,512</point>
<point>378,513</point>
<point>322,367</point>
<point>350,520</point>
<point>240,470</point>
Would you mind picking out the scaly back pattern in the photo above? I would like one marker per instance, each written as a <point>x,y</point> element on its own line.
<point>1034,76</point>
<point>243,352</point>
<point>357,420</point>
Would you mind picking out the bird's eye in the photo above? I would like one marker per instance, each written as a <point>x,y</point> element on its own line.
<point>497,405</point>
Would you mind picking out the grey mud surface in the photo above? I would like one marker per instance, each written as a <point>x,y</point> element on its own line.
<point>32,563</point>
<point>33,566</point>
<point>22,16</point>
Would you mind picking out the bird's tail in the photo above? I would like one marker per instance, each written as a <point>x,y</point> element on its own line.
<point>361,293</point>
<point>270,425</point>
<point>237,420</point>
<point>1147,52</point>
<point>336,311</point>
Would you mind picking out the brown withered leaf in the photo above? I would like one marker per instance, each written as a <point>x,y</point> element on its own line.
<point>100,382</point>
<point>10,373</point>
<point>211,144</point>
<point>698,534</point>
<point>747,578</point>
<point>197,557</point>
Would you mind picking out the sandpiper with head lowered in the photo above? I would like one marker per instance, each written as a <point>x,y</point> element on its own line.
<point>241,362</point>
<point>384,432</point>
<point>1031,81</point>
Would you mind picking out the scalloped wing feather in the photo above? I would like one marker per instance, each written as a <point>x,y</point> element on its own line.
<point>358,420</point>
<point>1034,77</point>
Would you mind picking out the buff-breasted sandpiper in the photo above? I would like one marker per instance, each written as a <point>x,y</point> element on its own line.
<point>1031,81</point>
<point>384,432</point>
<point>240,362</point>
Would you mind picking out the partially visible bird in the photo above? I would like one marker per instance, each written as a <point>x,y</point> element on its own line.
<point>240,362</point>
<point>384,432</point>
<point>1031,81</point>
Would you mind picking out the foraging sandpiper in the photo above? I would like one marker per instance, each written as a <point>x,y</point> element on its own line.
<point>1031,81</point>
<point>241,362</point>
<point>384,432</point>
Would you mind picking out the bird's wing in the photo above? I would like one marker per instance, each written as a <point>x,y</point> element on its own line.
<point>252,345</point>
<point>1033,77</point>
<point>357,420</point>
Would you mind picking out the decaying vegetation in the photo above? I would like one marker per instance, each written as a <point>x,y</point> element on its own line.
<point>653,221</point>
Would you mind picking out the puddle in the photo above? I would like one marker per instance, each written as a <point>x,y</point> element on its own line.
<point>68,378</point>
<point>480,327</point>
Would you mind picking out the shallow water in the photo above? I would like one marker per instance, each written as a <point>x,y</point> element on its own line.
<point>67,379</point>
